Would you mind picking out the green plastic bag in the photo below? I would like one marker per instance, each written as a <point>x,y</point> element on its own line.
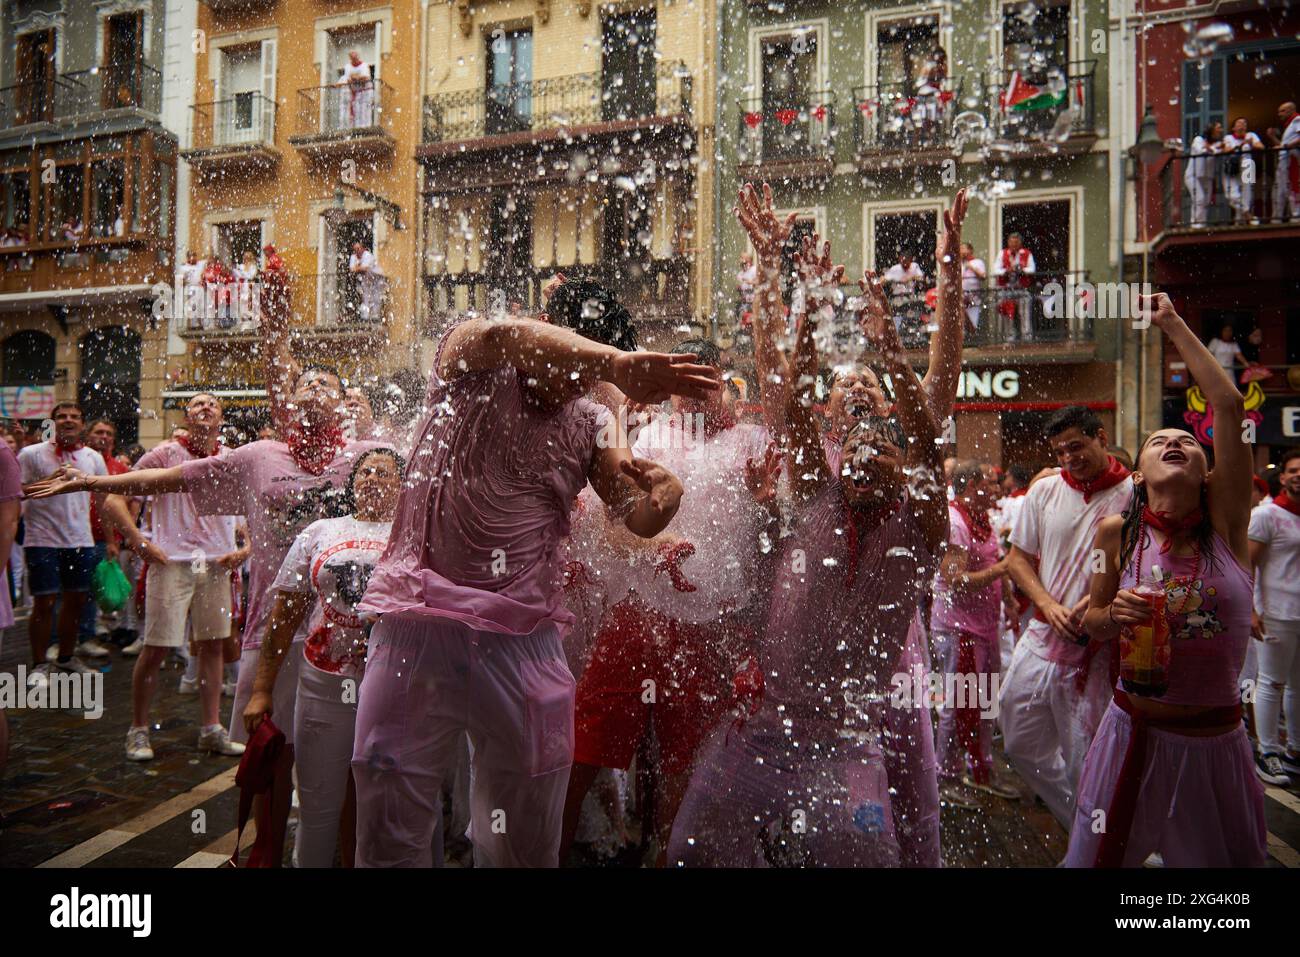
<point>111,586</point>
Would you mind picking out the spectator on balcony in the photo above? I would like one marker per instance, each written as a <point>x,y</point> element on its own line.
<point>190,276</point>
<point>73,229</point>
<point>245,279</point>
<point>1286,186</point>
<point>746,283</point>
<point>1227,353</point>
<point>1198,176</point>
<point>1239,170</point>
<point>1014,271</point>
<point>356,95</point>
<point>929,89</point>
<point>370,280</point>
<point>217,281</point>
<point>904,280</point>
<point>974,273</point>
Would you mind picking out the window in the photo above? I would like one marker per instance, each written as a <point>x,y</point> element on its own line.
<point>66,223</point>
<point>627,75</point>
<point>510,245</point>
<point>16,207</point>
<point>108,187</point>
<point>35,61</point>
<point>123,65</point>
<point>28,359</point>
<point>1036,39</point>
<point>908,53</point>
<point>509,82</point>
<point>110,379</point>
<point>351,65</point>
<point>912,233</point>
<point>236,239</point>
<point>1044,228</point>
<point>791,101</point>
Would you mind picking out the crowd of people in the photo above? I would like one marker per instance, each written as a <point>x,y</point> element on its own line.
<point>1221,166</point>
<point>584,556</point>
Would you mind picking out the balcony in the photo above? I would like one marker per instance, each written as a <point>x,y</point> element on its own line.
<point>1237,196</point>
<point>898,125</point>
<point>1061,118</point>
<point>130,90</point>
<point>234,134</point>
<point>339,122</point>
<point>787,142</point>
<point>25,103</point>
<point>657,291</point>
<point>552,109</point>
<point>340,304</point>
<point>236,6</point>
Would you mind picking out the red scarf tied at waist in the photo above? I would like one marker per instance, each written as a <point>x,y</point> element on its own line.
<point>1287,502</point>
<point>314,451</point>
<point>1110,476</point>
<point>1123,802</point>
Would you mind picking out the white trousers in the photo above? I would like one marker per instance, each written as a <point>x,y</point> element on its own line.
<point>1278,682</point>
<point>1286,201</point>
<point>325,716</point>
<point>1200,193</point>
<point>1047,725</point>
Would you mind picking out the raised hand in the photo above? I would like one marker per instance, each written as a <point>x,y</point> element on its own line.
<point>758,218</point>
<point>819,276</point>
<point>948,248</point>
<point>654,376</point>
<point>761,477</point>
<point>662,488</point>
<point>66,479</point>
<point>874,318</point>
<point>1160,311</point>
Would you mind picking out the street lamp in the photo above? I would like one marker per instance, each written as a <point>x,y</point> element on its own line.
<point>1146,151</point>
<point>1149,145</point>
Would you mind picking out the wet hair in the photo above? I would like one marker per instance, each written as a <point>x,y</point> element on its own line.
<point>1133,527</point>
<point>965,474</point>
<point>593,312</point>
<point>349,504</point>
<point>1022,475</point>
<point>1072,417</point>
<point>317,367</point>
<point>706,352</point>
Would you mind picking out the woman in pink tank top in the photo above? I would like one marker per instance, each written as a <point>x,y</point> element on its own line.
<point>804,780</point>
<point>1170,770</point>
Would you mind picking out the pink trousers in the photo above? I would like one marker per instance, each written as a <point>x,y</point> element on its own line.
<point>428,680</point>
<point>1199,805</point>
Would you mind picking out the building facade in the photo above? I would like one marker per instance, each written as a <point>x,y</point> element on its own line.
<point>88,192</point>
<point>574,139</point>
<point>865,118</point>
<point>1210,230</point>
<point>301,137</point>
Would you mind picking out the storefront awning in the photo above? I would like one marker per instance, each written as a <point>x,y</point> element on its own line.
<point>94,296</point>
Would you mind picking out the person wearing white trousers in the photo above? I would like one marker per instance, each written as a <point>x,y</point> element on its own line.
<point>1286,185</point>
<point>1239,176</point>
<point>1198,174</point>
<point>1274,538</point>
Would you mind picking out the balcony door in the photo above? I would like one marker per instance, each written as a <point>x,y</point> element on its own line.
<point>627,72</point>
<point>789,79</point>
<point>906,54</point>
<point>509,254</point>
<point>123,65</point>
<point>509,82</point>
<point>351,99</point>
<point>35,63</point>
<point>244,112</point>
<point>340,295</point>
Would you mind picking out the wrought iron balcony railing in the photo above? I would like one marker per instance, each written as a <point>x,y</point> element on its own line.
<point>338,301</point>
<point>905,117</point>
<point>775,133</point>
<point>246,119</point>
<point>112,86</point>
<point>1221,190</point>
<point>580,99</point>
<point>1060,105</point>
<point>346,110</point>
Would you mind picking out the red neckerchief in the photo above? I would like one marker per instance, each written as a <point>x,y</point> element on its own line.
<point>1110,476</point>
<point>1019,492</point>
<point>60,451</point>
<point>184,442</point>
<point>1285,501</point>
<point>1162,521</point>
<point>313,451</point>
<point>980,526</point>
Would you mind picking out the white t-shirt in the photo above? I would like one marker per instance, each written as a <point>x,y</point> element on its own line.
<point>1056,525</point>
<point>366,261</point>
<point>60,521</point>
<point>1277,580</point>
<point>903,281</point>
<point>192,273</point>
<point>332,560</point>
<point>973,274</point>
<point>1223,352</point>
<point>178,528</point>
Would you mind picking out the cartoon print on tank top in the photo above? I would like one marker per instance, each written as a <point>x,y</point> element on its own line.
<point>1191,608</point>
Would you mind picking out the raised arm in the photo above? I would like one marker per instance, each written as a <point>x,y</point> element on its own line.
<point>940,381</point>
<point>1233,472</point>
<point>558,359</point>
<point>768,234</point>
<point>142,482</point>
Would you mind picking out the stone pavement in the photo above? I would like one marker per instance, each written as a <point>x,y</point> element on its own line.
<point>70,797</point>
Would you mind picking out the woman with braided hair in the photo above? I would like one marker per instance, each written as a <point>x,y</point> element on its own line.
<point>1170,769</point>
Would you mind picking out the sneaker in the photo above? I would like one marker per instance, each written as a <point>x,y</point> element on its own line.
<point>137,745</point>
<point>76,666</point>
<point>92,649</point>
<point>1269,768</point>
<point>40,676</point>
<point>994,786</point>
<point>52,653</point>
<point>188,686</point>
<point>954,797</point>
<point>134,648</point>
<point>216,740</point>
<point>1291,762</point>
<point>228,689</point>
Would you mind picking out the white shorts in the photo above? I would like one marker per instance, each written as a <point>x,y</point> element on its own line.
<point>174,592</point>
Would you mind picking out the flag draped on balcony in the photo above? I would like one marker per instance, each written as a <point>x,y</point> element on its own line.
<point>1022,97</point>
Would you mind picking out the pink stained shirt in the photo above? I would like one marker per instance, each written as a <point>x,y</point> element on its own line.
<point>975,612</point>
<point>179,529</point>
<point>486,504</point>
<point>1058,527</point>
<point>11,490</point>
<point>262,482</point>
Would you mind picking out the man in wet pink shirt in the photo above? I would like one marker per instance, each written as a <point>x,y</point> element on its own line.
<point>469,589</point>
